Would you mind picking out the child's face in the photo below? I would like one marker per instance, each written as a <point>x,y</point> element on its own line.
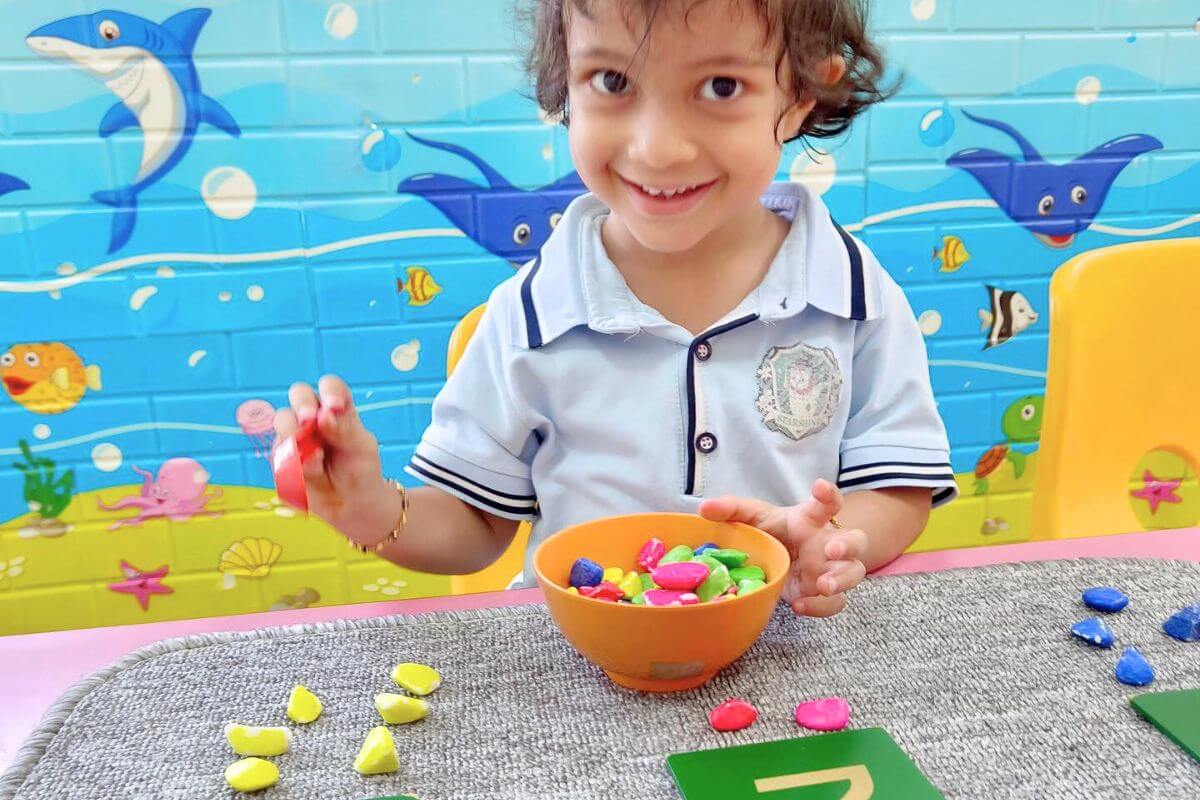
<point>694,115</point>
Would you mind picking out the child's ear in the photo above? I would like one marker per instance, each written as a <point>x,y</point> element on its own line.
<point>830,71</point>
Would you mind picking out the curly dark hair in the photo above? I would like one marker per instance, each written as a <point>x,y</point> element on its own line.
<point>810,31</point>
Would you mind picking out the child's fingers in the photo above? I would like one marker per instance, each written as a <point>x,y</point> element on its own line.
<point>285,423</point>
<point>729,508</point>
<point>303,401</point>
<point>335,394</point>
<point>842,576</point>
<point>819,606</point>
<point>846,545</point>
<point>827,493</point>
<point>816,512</point>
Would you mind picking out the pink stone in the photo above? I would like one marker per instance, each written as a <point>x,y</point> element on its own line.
<point>826,714</point>
<point>670,597</point>
<point>732,715</point>
<point>682,576</point>
<point>650,554</point>
<point>609,592</point>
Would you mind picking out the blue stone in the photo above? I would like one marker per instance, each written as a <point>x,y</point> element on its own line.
<point>1184,624</point>
<point>585,572</point>
<point>1105,598</point>
<point>1133,669</point>
<point>704,548</point>
<point>1094,631</point>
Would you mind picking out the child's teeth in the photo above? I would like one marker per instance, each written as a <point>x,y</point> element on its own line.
<point>667,193</point>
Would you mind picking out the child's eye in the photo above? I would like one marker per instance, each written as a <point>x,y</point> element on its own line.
<point>610,82</point>
<point>721,88</point>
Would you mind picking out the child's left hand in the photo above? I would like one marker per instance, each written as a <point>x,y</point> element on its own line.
<point>826,561</point>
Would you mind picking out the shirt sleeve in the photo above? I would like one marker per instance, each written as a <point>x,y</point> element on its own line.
<point>477,446</point>
<point>894,435</point>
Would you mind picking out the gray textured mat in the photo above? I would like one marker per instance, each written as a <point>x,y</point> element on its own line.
<point>971,671</point>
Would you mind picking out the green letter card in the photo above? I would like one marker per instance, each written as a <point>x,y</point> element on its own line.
<point>1177,714</point>
<point>850,765</point>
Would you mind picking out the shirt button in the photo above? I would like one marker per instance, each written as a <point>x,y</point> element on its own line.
<point>706,443</point>
<point>703,351</point>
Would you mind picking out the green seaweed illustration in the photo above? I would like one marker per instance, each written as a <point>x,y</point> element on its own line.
<point>46,493</point>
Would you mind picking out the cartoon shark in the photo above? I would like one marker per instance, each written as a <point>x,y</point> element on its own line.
<point>1053,201</point>
<point>149,68</point>
<point>513,223</point>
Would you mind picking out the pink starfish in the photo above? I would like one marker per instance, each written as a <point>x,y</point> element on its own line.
<point>142,584</point>
<point>1155,491</point>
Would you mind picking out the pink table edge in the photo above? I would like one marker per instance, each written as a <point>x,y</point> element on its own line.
<point>35,669</point>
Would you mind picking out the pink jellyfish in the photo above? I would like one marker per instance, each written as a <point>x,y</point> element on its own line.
<point>257,420</point>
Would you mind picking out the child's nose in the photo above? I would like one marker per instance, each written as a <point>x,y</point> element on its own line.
<point>661,140</point>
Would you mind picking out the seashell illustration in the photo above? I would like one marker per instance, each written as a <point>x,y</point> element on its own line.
<point>250,557</point>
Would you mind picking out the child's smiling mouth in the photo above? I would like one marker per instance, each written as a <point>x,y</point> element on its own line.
<point>659,199</point>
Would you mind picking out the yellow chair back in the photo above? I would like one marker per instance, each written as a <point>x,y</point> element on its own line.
<point>1120,440</point>
<point>500,573</point>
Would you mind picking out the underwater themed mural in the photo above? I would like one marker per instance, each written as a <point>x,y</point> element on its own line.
<point>214,202</point>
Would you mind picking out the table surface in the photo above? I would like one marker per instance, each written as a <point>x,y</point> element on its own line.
<point>35,669</point>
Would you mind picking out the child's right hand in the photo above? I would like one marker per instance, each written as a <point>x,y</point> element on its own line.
<point>343,477</point>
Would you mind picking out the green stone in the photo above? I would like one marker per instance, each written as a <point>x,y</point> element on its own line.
<point>748,585</point>
<point>748,572</point>
<point>677,554</point>
<point>717,582</point>
<point>729,557</point>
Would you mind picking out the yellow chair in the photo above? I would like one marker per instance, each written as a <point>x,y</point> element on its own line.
<point>500,573</point>
<point>1122,408</point>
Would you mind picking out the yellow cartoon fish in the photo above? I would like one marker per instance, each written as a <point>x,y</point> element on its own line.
<point>953,254</point>
<point>420,285</point>
<point>46,377</point>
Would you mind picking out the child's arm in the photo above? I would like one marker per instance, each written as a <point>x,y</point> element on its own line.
<point>893,518</point>
<point>347,489</point>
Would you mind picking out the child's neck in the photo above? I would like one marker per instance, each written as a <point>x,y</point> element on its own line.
<point>696,288</point>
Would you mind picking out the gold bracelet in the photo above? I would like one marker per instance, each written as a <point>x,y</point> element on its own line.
<point>394,533</point>
<point>835,522</point>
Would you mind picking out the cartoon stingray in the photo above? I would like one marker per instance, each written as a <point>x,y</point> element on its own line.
<point>1053,201</point>
<point>149,68</point>
<point>513,223</point>
<point>10,184</point>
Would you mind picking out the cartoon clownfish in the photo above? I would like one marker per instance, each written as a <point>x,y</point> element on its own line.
<point>46,377</point>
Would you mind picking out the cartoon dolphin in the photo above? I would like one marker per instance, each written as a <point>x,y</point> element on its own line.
<point>149,67</point>
<point>1053,201</point>
<point>513,223</point>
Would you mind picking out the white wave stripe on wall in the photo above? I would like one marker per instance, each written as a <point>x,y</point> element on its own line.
<point>231,430</point>
<point>74,279</point>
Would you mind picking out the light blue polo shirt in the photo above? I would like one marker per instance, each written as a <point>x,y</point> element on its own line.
<point>575,400</point>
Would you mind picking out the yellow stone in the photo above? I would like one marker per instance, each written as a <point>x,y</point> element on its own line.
<point>416,678</point>
<point>303,706</point>
<point>251,774</point>
<point>631,586</point>
<point>247,740</point>
<point>572,590</point>
<point>614,575</point>
<point>378,753</point>
<point>400,709</point>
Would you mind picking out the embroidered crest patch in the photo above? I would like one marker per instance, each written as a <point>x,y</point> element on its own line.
<point>799,388</point>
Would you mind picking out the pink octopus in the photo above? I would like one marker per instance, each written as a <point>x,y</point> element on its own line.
<point>178,493</point>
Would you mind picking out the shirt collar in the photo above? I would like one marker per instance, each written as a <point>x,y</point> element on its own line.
<point>574,283</point>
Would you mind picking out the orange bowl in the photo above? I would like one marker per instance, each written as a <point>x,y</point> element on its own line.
<point>657,648</point>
